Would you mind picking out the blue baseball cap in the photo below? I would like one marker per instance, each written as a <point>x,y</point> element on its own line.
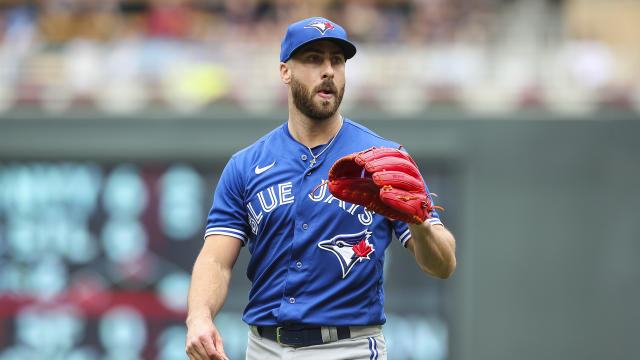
<point>315,28</point>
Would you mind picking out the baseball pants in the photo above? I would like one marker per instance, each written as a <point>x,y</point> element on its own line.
<point>366,343</point>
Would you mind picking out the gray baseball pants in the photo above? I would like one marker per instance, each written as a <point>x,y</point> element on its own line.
<point>366,343</point>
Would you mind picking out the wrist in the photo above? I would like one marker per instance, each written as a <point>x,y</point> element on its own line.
<point>193,318</point>
<point>424,227</point>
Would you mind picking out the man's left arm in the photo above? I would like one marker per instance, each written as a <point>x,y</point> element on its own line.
<point>433,247</point>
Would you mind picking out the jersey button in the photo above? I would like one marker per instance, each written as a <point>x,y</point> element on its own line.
<point>308,173</point>
<point>292,300</point>
<point>305,226</point>
<point>303,157</point>
<point>299,265</point>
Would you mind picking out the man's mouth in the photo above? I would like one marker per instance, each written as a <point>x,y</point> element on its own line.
<point>325,93</point>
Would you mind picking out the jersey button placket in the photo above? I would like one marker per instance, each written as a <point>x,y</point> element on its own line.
<point>295,278</point>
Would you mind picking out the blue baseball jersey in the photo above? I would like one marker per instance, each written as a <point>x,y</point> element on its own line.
<point>315,260</point>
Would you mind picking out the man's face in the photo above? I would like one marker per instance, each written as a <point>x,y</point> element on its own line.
<point>317,79</point>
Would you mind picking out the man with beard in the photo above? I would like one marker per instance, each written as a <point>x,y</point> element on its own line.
<point>316,261</point>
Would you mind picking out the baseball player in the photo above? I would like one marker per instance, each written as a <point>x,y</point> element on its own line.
<point>316,261</point>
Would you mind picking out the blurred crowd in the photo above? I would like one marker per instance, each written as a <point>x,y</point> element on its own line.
<point>244,20</point>
<point>126,56</point>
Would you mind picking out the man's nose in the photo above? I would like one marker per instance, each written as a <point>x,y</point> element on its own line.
<point>327,70</point>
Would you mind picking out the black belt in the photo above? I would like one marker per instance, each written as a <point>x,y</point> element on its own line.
<point>299,338</point>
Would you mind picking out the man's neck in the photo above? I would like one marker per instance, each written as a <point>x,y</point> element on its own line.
<point>312,133</point>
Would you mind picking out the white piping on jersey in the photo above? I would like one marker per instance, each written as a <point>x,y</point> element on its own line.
<point>404,237</point>
<point>227,229</point>
<point>407,234</point>
<point>238,234</point>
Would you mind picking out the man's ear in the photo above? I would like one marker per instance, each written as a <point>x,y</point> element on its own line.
<point>285,73</point>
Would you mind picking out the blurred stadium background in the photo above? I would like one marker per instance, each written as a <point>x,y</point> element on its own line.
<point>117,116</point>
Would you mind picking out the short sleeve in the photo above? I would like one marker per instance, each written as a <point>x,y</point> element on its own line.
<point>401,230</point>
<point>228,214</point>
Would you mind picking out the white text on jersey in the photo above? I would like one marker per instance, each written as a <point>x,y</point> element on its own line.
<point>282,194</point>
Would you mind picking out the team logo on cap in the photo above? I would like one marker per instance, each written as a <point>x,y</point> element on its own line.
<point>350,249</point>
<point>320,25</point>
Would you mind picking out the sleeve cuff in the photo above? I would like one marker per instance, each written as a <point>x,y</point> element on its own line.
<point>238,234</point>
<point>404,237</point>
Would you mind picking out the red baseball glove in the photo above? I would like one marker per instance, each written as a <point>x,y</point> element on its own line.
<point>384,180</point>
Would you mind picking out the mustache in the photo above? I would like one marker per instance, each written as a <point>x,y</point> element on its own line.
<point>327,84</point>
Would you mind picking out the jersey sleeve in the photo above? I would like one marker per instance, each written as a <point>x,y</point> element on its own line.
<point>228,215</point>
<point>401,230</point>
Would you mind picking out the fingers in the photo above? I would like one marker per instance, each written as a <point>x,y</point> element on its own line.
<point>204,348</point>
<point>204,341</point>
<point>196,351</point>
<point>220,346</point>
<point>209,348</point>
<point>214,349</point>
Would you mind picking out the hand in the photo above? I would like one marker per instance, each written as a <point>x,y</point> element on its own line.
<point>204,341</point>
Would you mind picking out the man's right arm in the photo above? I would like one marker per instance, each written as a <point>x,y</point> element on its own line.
<point>207,293</point>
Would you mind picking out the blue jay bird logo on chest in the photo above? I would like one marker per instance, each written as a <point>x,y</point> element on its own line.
<point>350,249</point>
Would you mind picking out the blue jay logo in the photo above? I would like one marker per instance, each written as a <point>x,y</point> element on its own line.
<point>349,249</point>
<point>320,25</point>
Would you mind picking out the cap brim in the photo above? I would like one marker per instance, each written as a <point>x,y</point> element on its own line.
<point>348,48</point>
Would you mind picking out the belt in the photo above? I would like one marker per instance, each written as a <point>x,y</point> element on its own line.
<point>304,337</point>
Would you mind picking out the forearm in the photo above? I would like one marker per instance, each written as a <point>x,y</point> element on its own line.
<point>208,289</point>
<point>433,247</point>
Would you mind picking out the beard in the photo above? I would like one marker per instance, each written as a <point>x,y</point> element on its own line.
<point>303,99</point>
